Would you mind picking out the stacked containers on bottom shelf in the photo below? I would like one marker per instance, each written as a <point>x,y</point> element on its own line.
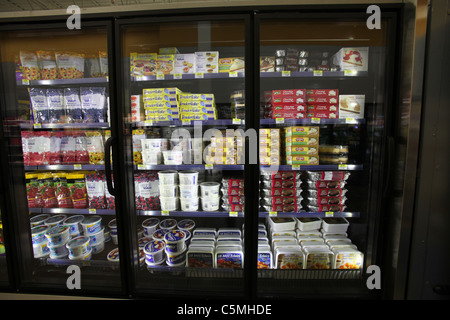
<point>281,191</point>
<point>325,190</point>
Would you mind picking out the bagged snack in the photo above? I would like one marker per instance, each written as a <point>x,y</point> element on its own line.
<point>72,105</point>
<point>47,65</point>
<point>67,148</point>
<point>95,187</point>
<point>95,147</point>
<point>30,66</point>
<point>63,196</point>
<point>77,187</point>
<point>55,148</point>
<point>39,105</point>
<point>55,100</point>
<point>70,65</point>
<point>32,185</point>
<point>48,191</point>
<point>93,102</point>
<point>81,148</point>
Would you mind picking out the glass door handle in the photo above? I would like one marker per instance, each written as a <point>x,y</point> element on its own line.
<point>108,172</point>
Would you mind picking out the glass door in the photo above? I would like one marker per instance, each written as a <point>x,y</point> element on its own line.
<point>183,87</point>
<point>56,115</point>
<point>324,98</point>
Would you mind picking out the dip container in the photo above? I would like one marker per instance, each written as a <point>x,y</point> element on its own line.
<point>38,220</point>
<point>289,258</point>
<point>85,256</point>
<point>97,237</point>
<point>150,225</point>
<point>57,235</point>
<point>169,203</point>
<point>78,246</point>
<point>317,257</point>
<point>98,247</point>
<point>307,224</point>
<point>189,204</point>
<point>74,224</point>
<point>188,177</point>
<point>168,224</point>
<point>188,191</point>
<point>91,224</point>
<point>59,251</point>
<point>168,177</point>
<point>143,241</point>
<point>55,220</point>
<point>173,157</point>
<point>168,191</point>
<point>40,249</point>
<point>154,251</point>
<point>175,258</point>
<point>186,224</point>
<point>210,203</point>
<point>38,234</point>
<point>200,257</point>
<point>229,257</point>
<point>347,258</point>
<point>175,241</point>
<point>209,189</point>
<point>113,255</point>
<point>159,234</point>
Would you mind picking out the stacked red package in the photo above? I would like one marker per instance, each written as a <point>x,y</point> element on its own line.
<point>233,194</point>
<point>281,191</point>
<point>288,104</point>
<point>322,103</point>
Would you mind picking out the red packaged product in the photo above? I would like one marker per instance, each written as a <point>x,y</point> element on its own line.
<point>329,183</point>
<point>288,114</point>
<point>322,107</point>
<point>288,93</point>
<point>285,208</point>
<point>329,192</point>
<point>236,191</point>
<point>284,175</point>
<point>322,92</point>
<point>330,200</point>
<point>68,155</point>
<point>62,191</point>
<point>81,151</point>
<point>284,200</point>
<point>323,114</point>
<point>288,100</point>
<point>236,199</point>
<point>283,192</point>
<point>237,207</point>
<point>235,183</point>
<point>32,185</point>
<point>289,107</point>
<point>328,175</point>
<point>48,191</point>
<point>316,100</point>
<point>55,148</point>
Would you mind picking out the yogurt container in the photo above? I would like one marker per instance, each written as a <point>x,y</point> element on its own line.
<point>74,224</point>
<point>265,257</point>
<point>57,235</point>
<point>307,224</point>
<point>229,257</point>
<point>189,204</point>
<point>151,157</point>
<point>140,232</point>
<point>85,256</point>
<point>152,145</point>
<point>187,240</point>
<point>150,225</point>
<point>168,224</point>
<point>200,257</point>
<point>209,189</point>
<point>41,249</point>
<point>92,224</point>
<point>159,234</point>
<point>188,191</point>
<point>143,241</point>
<point>175,241</point>
<point>169,203</point>
<point>78,246</point>
<point>55,220</point>
<point>98,247</point>
<point>97,237</point>
<point>115,238</point>
<point>154,251</point>
<point>289,233</point>
<point>112,225</point>
<point>210,203</point>
<point>38,220</point>
<point>173,157</point>
<point>289,258</point>
<point>168,191</point>
<point>186,224</point>
<point>38,234</point>
<point>175,258</point>
<point>188,177</point>
<point>229,231</point>
<point>168,177</point>
<point>59,251</point>
<point>152,264</point>
<point>113,255</point>
<point>107,234</point>
<point>205,231</point>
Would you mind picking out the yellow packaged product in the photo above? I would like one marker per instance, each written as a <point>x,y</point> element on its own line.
<point>143,64</point>
<point>95,147</point>
<point>207,97</point>
<point>160,104</point>
<point>302,131</point>
<point>305,160</point>
<point>301,150</point>
<point>158,97</point>
<point>171,90</point>
<point>165,64</point>
<point>302,141</point>
<point>137,135</point>
<point>195,116</point>
<point>196,103</point>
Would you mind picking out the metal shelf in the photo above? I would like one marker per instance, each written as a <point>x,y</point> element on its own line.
<point>321,167</point>
<point>62,81</point>
<point>58,167</point>
<point>178,123</point>
<point>95,125</point>
<point>311,214</point>
<point>73,211</point>
<point>316,74</point>
<point>190,76</point>
<point>204,214</point>
<point>190,167</point>
<point>310,121</point>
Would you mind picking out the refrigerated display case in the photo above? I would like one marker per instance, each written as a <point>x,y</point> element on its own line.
<point>57,122</point>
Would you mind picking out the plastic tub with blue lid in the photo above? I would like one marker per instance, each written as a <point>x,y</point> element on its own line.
<point>55,220</point>
<point>57,235</point>
<point>39,219</point>
<point>175,241</point>
<point>74,224</point>
<point>154,251</point>
<point>78,246</point>
<point>38,234</point>
<point>91,224</point>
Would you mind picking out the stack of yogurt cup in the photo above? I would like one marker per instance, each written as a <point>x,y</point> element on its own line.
<point>168,190</point>
<point>152,150</point>
<point>210,195</point>
<point>188,180</point>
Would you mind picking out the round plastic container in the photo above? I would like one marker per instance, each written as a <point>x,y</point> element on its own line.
<point>97,237</point>
<point>151,157</point>
<point>189,204</point>
<point>168,177</point>
<point>188,191</point>
<point>209,189</point>
<point>187,240</point>
<point>210,203</point>
<point>168,191</point>
<point>114,238</point>
<point>173,157</point>
<point>143,241</point>
<point>186,224</point>
<point>151,264</point>
<point>150,225</point>
<point>92,224</point>
<point>40,250</point>
<point>78,246</point>
<point>159,234</point>
<point>85,256</point>
<point>107,234</point>
<point>74,224</point>
<point>98,247</point>
<point>112,225</point>
<point>59,251</point>
<point>169,203</point>
<point>154,251</point>
<point>38,220</point>
<point>188,177</point>
<point>175,241</point>
<point>55,220</point>
<point>152,145</point>
<point>38,234</point>
<point>168,224</point>
<point>175,259</point>
<point>57,235</point>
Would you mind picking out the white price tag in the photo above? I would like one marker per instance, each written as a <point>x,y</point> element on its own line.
<point>148,122</point>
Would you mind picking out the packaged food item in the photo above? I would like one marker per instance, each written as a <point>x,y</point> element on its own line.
<point>184,63</point>
<point>47,65</point>
<point>351,106</point>
<point>147,190</point>
<point>68,148</point>
<point>81,147</point>
<point>48,191</point>
<point>91,224</point>
<point>308,224</point>
<point>54,156</point>
<point>32,186</point>
<point>95,147</point>
<point>95,187</point>
<point>200,257</point>
<point>62,191</point>
<point>267,64</point>
<point>307,160</point>
<point>165,64</point>
<point>318,258</point>
<point>302,131</point>
<point>281,224</point>
<point>289,257</point>
<point>335,225</point>
<point>110,199</point>
<point>322,92</point>
<point>143,64</point>
<point>229,257</point>
<point>103,62</point>
<point>39,105</point>
<point>70,65</point>
<point>36,147</point>
<point>352,58</point>
<point>207,62</point>
<point>72,105</point>
<point>136,104</point>
<point>30,66</point>
<point>93,103</point>
<point>231,64</point>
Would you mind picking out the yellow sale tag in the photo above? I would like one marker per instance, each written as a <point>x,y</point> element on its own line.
<point>350,72</point>
<point>164,213</point>
<point>295,167</point>
<point>37,125</point>
<point>350,120</point>
<point>199,75</point>
<point>177,76</point>
<point>25,82</point>
<point>148,122</point>
<point>233,214</point>
<point>342,167</point>
<point>318,73</point>
<point>159,77</point>
<point>77,167</point>
<point>279,120</point>
<point>273,214</point>
<point>94,211</point>
<point>209,166</point>
<point>315,120</point>
<point>233,74</point>
<point>236,121</point>
<point>329,214</point>
<point>285,73</point>
<point>141,167</point>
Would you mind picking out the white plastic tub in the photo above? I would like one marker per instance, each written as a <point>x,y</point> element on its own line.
<point>55,220</point>
<point>38,234</point>
<point>188,177</point>
<point>200,257</point>
<point>97,237</point>
<point>281,223</point>
<point>151,157</point>
<point>59,251</point>
<point>318,257</point>
<point>229,257</point>
<point>175,241</point>
<point>168,177</point>
<point>39,220</point>
<point>175,258</point>
<point>186,224</point>
<point>168,191</point>
<point>169,203</point>
<point>155,144</point>
<point>41,249</point>
<point>173,157</point>
<point>209,189</point>
<point>289,258</point>
<point>154,251</point>
<point>168,224</point>
<point>98,247</point>
<point>347,258</point>
<point>210,203</point>
<point>307,224</point>
<point>78,246</point>
<point>74,224</point>
<point>189,204</point>
<point>91,224</point>
<point>188,191</point>
<point>57,235</point>
<point>150,225</point>
<point>335,225</point>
